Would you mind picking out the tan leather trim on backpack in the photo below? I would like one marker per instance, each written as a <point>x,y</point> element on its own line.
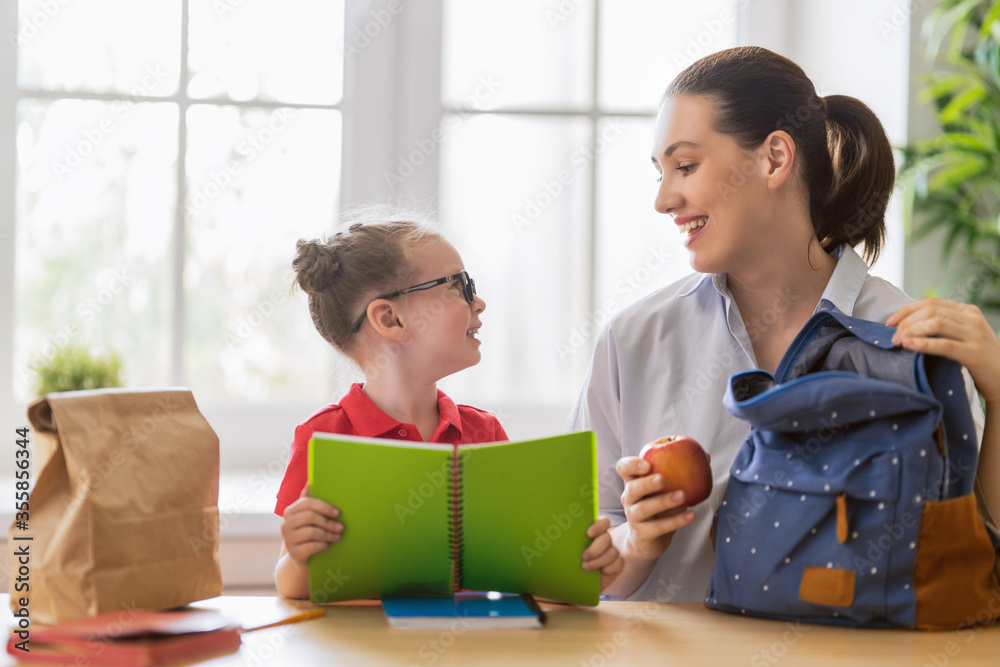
<point>988,517</point>
<point>953,574</point>
<point>832,587</point>
<point>842,527</point>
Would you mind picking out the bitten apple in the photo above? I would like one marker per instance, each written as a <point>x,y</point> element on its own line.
<point>683,464</point>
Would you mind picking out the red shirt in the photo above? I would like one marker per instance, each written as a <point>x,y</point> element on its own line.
<point>356,414</point>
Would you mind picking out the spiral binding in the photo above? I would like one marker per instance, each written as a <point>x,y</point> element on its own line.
<point>455,521</point>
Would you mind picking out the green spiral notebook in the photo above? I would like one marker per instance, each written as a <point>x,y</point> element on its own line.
<point>428,519</point>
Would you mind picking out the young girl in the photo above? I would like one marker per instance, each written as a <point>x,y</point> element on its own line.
<point>396,299</point>
<point>772,186</point>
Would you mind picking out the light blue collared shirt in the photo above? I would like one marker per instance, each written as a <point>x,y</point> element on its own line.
<point>661,367</point>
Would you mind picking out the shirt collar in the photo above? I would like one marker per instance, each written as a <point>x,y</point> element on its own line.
<point>447,415</point>
<point>848,278</point>
<point>371,422</point>
<point>367,418</point>
<point>842,290</point>
<point>716,279</point>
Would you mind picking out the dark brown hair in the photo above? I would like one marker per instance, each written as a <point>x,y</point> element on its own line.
<point>845,157</point>
<point>362,260</point>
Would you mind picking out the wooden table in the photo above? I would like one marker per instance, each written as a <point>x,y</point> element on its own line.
<point>614,633</point>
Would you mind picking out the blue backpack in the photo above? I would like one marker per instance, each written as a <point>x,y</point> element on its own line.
<point>851,501</point>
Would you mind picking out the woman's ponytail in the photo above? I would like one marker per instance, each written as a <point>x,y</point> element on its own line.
<point>863,176</point>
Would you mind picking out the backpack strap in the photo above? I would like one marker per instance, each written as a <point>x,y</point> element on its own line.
<point>943,378</point>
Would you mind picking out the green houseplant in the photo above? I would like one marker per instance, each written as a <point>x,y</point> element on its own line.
<point>951,181</point>
<point>74,368</point>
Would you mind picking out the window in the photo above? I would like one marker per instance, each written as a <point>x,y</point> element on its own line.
<point>168,157</point>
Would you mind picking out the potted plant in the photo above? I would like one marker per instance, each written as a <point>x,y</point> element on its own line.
<point>73,368</point>
<point>951,181</point>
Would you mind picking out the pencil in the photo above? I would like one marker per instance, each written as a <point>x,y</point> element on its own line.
<point>302,616</point>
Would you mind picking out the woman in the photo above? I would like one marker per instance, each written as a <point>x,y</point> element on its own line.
<point>773,187</point>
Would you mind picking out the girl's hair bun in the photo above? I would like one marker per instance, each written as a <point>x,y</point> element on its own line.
<point>316,265</point>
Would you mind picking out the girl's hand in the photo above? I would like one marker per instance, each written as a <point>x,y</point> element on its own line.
<point>958,331</point>
<point>602,554</point>
<point>309,526</point>
<point>652,519</point>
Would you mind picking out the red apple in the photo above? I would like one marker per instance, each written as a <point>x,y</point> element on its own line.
<point>683,464</point>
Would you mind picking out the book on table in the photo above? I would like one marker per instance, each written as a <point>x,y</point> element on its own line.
<point>466,611</point>
<point>145,638</point>
<point>424,520</point>
<point>129,638</point>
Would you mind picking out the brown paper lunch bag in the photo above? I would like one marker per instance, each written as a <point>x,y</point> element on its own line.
<point>124,513</point>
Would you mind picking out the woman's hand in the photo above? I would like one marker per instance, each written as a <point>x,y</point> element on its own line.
<point>309,526</point>
<point>602,554</point>
<point>958,331</point>
<point>652,519</point>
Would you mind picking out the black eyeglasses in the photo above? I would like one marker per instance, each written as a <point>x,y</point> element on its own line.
<point>468,291</point>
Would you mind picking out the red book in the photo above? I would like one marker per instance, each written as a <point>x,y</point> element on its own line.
<point>130,638</point>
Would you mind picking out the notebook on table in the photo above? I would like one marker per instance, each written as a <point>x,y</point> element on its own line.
<point>465,610</point>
